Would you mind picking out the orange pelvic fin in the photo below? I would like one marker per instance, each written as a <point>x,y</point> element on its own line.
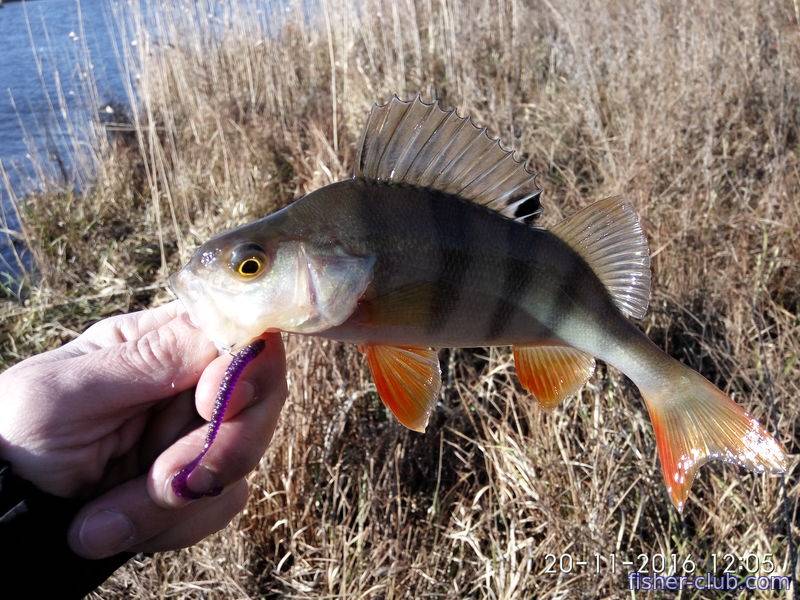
<point>694,423</point>
<point>408,380</point>
<point>552,373</point>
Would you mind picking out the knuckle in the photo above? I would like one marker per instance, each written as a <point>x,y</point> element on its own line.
<point>153,351</point>
<point>126,328</point>
<point>108,330</point>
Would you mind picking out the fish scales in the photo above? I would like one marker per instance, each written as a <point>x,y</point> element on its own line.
<point>495,281</point>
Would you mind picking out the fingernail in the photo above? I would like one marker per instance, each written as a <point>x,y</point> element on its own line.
<point>105,533</point>
<point>202,482</point>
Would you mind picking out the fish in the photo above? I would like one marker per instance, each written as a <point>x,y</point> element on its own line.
<point>434,243</point>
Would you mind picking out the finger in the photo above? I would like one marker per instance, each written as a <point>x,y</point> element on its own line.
<point>165,423</point>
<point>261,374</point>
<point>240,443</point>
<point>211,519</point>
<point>126,518</point>
<point>161,363</point>
<point>113,330</point>
<point>131,326</point>
<point>169,421</point>
<point>237,450</point>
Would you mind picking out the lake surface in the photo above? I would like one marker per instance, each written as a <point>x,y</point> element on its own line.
<point>51,32</point>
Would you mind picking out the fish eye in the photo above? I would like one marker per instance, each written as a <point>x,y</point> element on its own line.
<point>248,261</point>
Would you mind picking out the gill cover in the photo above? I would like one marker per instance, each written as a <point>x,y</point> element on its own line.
<point>330,287</point>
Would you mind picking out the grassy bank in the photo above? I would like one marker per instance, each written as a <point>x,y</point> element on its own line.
<point>691,111</point>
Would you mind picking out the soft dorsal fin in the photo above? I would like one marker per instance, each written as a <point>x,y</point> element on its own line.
<point>418,143</point>
<point>609,237</point>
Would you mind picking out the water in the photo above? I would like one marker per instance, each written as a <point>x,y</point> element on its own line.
<point>33,127</point>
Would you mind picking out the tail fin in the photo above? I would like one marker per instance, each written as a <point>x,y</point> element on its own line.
<point>694,423</point>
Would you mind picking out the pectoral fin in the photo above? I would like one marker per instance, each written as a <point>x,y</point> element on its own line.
<point>409,304</point>
<point>551,373</point>
<point>408,380</point>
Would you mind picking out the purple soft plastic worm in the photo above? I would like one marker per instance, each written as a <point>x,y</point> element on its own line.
<point>240,361</point>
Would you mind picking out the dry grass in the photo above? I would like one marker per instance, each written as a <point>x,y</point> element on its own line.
<point>690,110</point>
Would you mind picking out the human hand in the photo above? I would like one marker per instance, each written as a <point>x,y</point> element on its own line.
<point>115,413</point>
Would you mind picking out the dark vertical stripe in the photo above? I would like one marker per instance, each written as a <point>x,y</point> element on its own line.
<point>580,287</point>
<point>371,215</point>
<point>455,246</point>
<point>576,289</point>
<point>517,277</point>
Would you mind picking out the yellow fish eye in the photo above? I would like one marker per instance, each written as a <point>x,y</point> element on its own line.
<point>250,267</point>
<point>248,261</point>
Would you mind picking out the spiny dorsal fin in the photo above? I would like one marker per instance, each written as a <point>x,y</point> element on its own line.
<point>420,144</point>
<point>552,373</point>
<point>609,237</point>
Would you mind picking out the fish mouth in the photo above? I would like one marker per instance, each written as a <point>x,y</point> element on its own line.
<point>201,308</point>
<point>180,284</point>
<point>175,284</point>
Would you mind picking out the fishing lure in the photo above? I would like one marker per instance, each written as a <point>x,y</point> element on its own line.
<point>432,243</point>
<point>180,482</point>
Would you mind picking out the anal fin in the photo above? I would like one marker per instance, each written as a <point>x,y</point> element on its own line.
<point>552,373</point>
<point>408,380</point>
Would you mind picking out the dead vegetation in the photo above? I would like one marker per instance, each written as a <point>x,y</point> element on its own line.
<point>690,109</point>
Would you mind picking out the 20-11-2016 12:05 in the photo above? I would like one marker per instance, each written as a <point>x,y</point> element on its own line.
<point>670,564</point>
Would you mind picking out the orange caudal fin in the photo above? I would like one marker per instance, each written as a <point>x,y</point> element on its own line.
<point>694,423</point>
<point>552,373</point>
<point>408,380</point>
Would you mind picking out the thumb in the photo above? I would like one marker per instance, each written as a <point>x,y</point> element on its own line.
<point>162,362</point>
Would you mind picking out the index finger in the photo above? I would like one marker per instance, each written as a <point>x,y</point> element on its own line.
<point>162,362</point>
<point>113,330</point>
<point>127,327</point>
